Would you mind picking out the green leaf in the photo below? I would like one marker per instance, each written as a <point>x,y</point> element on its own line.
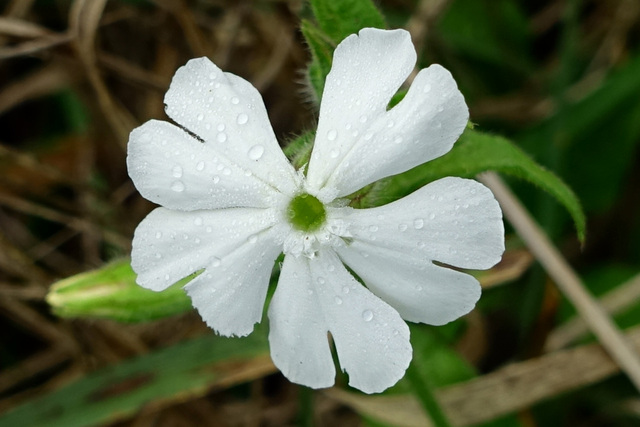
<point>184,371</point>
<point>111,292</point>
<point>338,19</point>
<point>321,47</point>
<point>474,153</point>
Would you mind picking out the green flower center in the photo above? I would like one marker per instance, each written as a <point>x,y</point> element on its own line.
<point>306,213</point>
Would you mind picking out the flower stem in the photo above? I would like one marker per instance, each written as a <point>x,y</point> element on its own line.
<point>424,390</point>
<point>306,407</point>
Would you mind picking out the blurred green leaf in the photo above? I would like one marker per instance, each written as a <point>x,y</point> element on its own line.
<point>338,19</point>
<point>111,292</point>
<point>183,371</point>
<point>321,48</point>
<point>597,135</point>
<point>474,153</point>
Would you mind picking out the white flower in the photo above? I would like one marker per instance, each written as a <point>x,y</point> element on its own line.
<point>231,203</point>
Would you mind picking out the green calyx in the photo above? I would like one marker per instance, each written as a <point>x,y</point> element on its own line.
<point>306,213</point>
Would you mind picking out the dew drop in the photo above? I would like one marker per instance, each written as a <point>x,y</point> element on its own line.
<point>159,235</point>
<point>222,137</point>
<point>395,332</point>
<point>331,267</point>
<point>197,240</point>
<point>216,262</point>
<point>367,315</point>
<point>200,117</point>
<point>363,119</point>
<point>402,227</point>
<point>200,166</point>
<point>226,171</point>
<point>235,100</point>
<point>256,152</point>
<point>220,127</point>
<point>418,223</point>
<point>373,228</point>
<point>177,186</point>
<point>332,134</point>
<point>391,124</point>
<point>216,179</point>
<point>198,221</point>
<point>321,280</point>
<point>338,300</point>
<point>242,118</point>
<point>432,216</point>
<point>345,289</point>
<point>334,154</point>
<point>209,229</point>
<point>426,88</point>
<point>397,139</point>
<point>176,172</point>
<point>252,239</point>
<point>213,76</point>
<point>368,136</point>
<point>158,255</point>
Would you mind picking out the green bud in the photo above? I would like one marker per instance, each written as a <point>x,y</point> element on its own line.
<point>111,292</point>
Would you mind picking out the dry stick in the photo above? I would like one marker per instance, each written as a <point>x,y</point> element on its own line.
<point>566,279</point>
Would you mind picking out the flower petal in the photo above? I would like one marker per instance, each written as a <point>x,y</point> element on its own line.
<point>419,290</point>
<point>230,293</point>
<point>170,167</point>
<point>170,245</point>
<point>367,70</point>
<point>422,127</point>
<point>372,340</point>
<point>228,113</point>
<point>453,220</point>
<point>298,329</point>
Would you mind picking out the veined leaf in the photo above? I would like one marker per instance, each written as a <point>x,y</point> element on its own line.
<point>474,153</point>
<point>338,19</point>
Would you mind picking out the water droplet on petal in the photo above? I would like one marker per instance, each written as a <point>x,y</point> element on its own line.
<point>367,315</point>
<point>432,216</point>
<point>368,136</point>
<point>334,154</point>
<point>220,127</point>
<point>253,238</point>
<point>177,186</point>
<point>200,166</point>
<point>363,119</point>
<point>212,76</point>
<point>226,171</point>
<point>200,117</point>
<point>222,137</point>
<point>256,152</point>
<point>418,223</point>
<point>158,255</point>
<point>402,227</point>
<point>235,100</point>
<point>397,139</point>
<point>321,280</point>
<point>332,135</point>
<point>345,289</point>
<point>391,124</point>
<point>198,221</point>
<point>426,88</point>
<point>216,179</point>
<point>338,300</point>
<point>216,262</point>
<point>158,234</point>
<point>242,118</point>
<point>373,228</point>
<point>176,172</point>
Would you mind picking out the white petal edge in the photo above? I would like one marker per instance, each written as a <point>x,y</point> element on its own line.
<point>170,167</point>
<point>452,220</point>
<point>230,294</point>
<point>420,291</point>
<point>297,328</point>
<point>368,68</point>
<point>227,112</point>
<point>371,339</point>
<point>170,245</point>
<point>422,127</point>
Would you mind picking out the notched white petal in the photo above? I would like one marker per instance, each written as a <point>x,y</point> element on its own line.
<point>368,68</point>
<point>453,220</point>
<point>227,112</point>
<point>298,329</point>
<point>419,290</point>
<point>169,245</point>
<point>372,340</point>
<point>230,294</point>
<point>170,167</point>
<point>422,127</point>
